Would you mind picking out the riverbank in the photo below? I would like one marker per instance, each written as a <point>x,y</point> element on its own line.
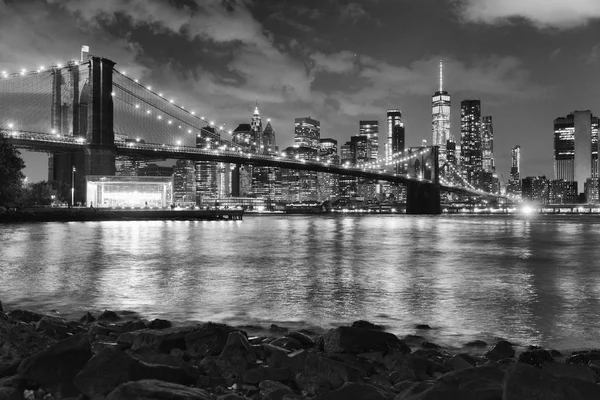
<point>94,214</point>
<point>116,355</point>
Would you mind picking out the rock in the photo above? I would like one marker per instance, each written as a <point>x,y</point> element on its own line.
<point>159,324</point>
<point>55,367</point>
<point>25,316</point>
<point>376,357</point>
<point>304,339</point>
<point>423,327</point>
<point>131,326</point>
<point>1,308</point>
<point>208,340</point>
<point>106,371</point>
<point>401,373</point>
<point>526,382</point>
<point>293,361</point>
<point>257,375</point>
<point>357,340</point>
<point>88,318</point>
<point>53,327</point>
<point>536,357</point>
<point>109,316</point>
<point>237,356</point>
<point>157,390</point>
<point>502,349</point>
<point>457,363</point>
<point>271,390</point>
<point>576,371</point>
<point>429,345</point>
<point>162,341</point>
<point>322,372</point>
<point>355,391</point>
<point>288,343</point>
<point>476,343</point>
<point>95,329</point>
<point>367,325</point>
<point>583,357</point>
<point>409,390</point>
<point>9,393</point>
<point>277,329</point>
<point>166,359</point>
<point>232,396</point>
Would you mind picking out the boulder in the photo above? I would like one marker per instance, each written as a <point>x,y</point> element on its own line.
<point>208,340</point>
<point>355,391</point>
<point>526,382</point>
<point>277,329</point>
<point>536,357</point>
<point>131,326</point>
<point>53,327</point>
<point>157,390</point>
<point>96,329</point>
<point>257,375</point>
<point>162,341</point>
<point>108,316</point>
<point>410,390</point>
<point>55,367</point>
<point>583,357</point>
<point>9,393</point>
<point>457,363</point>
<point>323,372</point>
<point>428,345</point>
<point>293,361</point>
<point>357,340</point>
<point>106,371</point>
<point>502,349</point>
<point>88,318</point>
<point>159,324</point>
<point>304,339</point>
<point>1,308</point>
<point>577,371</point>
<point>367,325</point>
<point>423,327</point>
<point>288,343</point>
<point>271,390</point>
<point>232,396</point>
<point>476,343</point>
<point>25,316</point>
<point>237,356</point>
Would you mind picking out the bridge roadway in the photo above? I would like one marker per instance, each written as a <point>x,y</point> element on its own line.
<point>45,142</point>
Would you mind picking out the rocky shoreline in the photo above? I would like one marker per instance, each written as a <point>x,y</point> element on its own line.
<point>110,357</point>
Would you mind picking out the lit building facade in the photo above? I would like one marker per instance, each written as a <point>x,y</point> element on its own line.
<point>370,130</point>
<point>562,192</point>
<point>440,109</point>
<point>129,191</point>
<point>300,185</point>
<point>269,143</point>
<point>514,182</point>
<point>394,119</point>
<point>487,144</point>
<point>207,187</point>
<point>576,150</point>
<point>470,132</point>
<point>307,132</point>
<point>257,131</point>
<point>184,183</point>
<point>328,183</point>
<point>535,189</point>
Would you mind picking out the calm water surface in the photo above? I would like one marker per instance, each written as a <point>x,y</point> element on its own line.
<point>533,281</point>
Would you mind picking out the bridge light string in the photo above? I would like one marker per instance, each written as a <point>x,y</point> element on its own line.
<point>41,68</point>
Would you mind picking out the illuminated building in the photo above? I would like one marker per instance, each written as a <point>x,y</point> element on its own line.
<point>347,154</point>
<point>129,191</point>
<point>514,182</point>
<point>257,133</point>
<point>535,189</point>
<point>362,149</point>
<point>328,183</point>
<point>576,149</point>
<point>470,136</point>
<point>268,136</point>
<point>487,144</point>
<point>266,181</point>
<point>184,183</point>
<point>155,170</point>
<point>299,185</point>
<point>206,171</point>
<point>242,136</point>
<point>307,133</point>
<point>126,166</point>
<point>370,130</point>
<point>562,192</point>
<point>440,109</point>
<point>394,119</point>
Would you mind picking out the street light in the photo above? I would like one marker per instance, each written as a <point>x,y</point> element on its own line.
<point>73,187</point>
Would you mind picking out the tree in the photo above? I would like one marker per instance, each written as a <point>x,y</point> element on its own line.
<point>40,194</point>
<point>11,175</point>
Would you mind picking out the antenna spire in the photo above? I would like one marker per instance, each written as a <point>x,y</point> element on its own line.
<point>441,75</point>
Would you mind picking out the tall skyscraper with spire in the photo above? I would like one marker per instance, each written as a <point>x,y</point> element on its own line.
<point>440,104</point>
<point>257,131</point>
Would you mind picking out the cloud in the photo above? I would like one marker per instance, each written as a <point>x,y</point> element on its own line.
<point>339,63</point>
<point>594,56</point>
<point>278,16</point>
<point>353,12</point>
<point>558,14</point>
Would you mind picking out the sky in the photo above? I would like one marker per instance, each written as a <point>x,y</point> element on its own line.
<point>528,61</point>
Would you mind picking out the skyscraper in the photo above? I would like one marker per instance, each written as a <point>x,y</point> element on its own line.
<point>576,148</point>
<point>370,130</point>
<point>270,146</point>
<point>470,140</point>
<point>514,183</point>
<point>487,144</point>
<point>394,118</point>
<point>257,132</point>
<point>307,133</point>
<point>206,171</point>
<point>440,109</point>
<point>184,183</point>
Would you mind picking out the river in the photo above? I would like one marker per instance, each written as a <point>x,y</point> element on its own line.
<point>531,280</point>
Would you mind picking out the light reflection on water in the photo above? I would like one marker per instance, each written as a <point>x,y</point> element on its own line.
<point>534,281</point>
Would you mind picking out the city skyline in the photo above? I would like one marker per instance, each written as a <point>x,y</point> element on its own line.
<point>516,60</point>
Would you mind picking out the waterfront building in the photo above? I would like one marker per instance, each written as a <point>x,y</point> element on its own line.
<point>398,145</point>
<point>362,149</point>
<point>300,185</point>
<point>440,109</point>
<point>257,131</point>
<point>328,184</point>
<point>242,136</point>
<point>576,149</point>
<point>129,191</point>
<point>562,192</point>
<point>514,183</point>
<point>487,144</point>
<point>155,170</point>
<point>307,132</point>
<point>124,166</point>
<point>470,132</point>
<point>370,130</point>
<point>394,119</point>
<point>269,143</point>
<point>207,187</point>
<point>347,154</point>
<point>535,189</point>
<point>184,183</point>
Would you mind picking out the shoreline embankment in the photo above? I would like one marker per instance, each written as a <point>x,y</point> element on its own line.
<point>112,355</point>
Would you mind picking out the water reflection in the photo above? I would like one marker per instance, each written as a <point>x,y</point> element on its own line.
<point>534,281</point>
